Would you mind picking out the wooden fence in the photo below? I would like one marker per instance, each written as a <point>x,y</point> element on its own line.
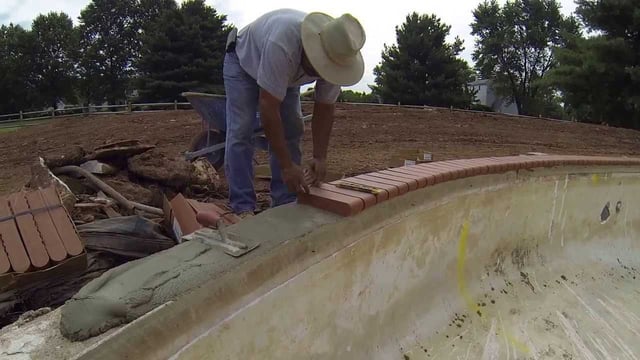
<point>25,118</point>
<point>33,117</point>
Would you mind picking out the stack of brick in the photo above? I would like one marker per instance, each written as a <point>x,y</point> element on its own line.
<point>36,232</point>
<point>401,180</point>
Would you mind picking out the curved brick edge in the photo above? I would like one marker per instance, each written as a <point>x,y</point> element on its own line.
<point>398,181</point>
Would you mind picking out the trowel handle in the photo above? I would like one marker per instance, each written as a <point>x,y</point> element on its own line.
<point>209,219</point>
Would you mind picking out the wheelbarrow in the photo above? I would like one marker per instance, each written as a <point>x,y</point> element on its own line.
<point>210,142</point>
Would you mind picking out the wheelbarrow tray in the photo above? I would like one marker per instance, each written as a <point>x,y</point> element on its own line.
<point>212,110</point>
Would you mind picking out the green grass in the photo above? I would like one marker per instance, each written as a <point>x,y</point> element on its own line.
<point>15,126</point>
<point>9,129</point>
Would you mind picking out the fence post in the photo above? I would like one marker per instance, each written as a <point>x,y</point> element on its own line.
<point>21,115</point>
<point>53,113</point>
<point>129,106</point>
<point>175,104</point>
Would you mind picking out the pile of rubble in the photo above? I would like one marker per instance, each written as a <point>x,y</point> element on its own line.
<point>84,212</point>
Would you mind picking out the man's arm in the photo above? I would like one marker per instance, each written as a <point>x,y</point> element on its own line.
<point>292,174</point>
<point>321,125</point>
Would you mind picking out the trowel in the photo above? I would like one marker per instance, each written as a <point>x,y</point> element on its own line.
<point>219,237</point>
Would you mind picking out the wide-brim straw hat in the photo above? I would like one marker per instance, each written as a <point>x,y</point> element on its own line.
<point>333,47</point>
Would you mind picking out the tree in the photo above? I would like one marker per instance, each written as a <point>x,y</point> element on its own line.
<point>514,46</point>
<point>55,43</point>
<point>183,51</point>
<point>600,76</point>
<point>17,83</point>
<point>356,97</point>
<point>108,45</point>
<point>422,68</point>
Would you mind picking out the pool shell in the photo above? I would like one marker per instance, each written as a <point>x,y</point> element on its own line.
<point>534,263</point>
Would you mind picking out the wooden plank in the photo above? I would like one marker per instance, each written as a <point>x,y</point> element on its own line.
<point>46,228</point>
<point>62,222</point>
<point>28,230</point>
<point>11,241</point>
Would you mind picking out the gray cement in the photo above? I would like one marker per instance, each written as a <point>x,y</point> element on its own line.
<point>133,289</point>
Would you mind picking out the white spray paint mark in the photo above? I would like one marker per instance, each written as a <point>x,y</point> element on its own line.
<point>466,357</point>
<point>504,337</point>
<point>630,314</point>
<point>535,281</point>
<point>608,330</point>
<point>553,212</point>
<point>575,339</point>
<point>530,344</point>
<point>600,347</point>
<point>491,347</point>
<point>562,213</point>
<point>620,317</point>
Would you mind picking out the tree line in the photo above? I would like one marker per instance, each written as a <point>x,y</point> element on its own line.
<point>584,67</point>
<point>118,46</point>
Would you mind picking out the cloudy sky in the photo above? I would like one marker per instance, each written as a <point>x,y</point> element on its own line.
<point>379,22</point>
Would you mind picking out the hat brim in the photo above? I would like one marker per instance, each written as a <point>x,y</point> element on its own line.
<point>337,74</point>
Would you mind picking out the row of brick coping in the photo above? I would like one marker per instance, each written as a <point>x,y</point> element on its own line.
<point>38,239</point>
<point>401,180</point>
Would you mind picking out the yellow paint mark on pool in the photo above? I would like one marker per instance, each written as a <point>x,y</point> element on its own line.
<point>464,292</point>
<point>462,256</point>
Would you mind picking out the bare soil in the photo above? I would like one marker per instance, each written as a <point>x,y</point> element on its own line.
<point>365,138</point>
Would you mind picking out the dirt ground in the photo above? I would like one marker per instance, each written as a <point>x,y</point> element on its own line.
<point>365,138</point>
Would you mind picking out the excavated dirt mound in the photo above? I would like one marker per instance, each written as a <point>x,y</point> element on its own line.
<point>364,137</point>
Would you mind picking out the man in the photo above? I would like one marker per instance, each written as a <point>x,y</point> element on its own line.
<point>263,70</point>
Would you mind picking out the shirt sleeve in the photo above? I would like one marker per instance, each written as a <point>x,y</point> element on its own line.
<point>326,92</point>
<point>275,70</point>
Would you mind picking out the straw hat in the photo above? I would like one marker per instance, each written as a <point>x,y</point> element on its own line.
<point>333,47</point>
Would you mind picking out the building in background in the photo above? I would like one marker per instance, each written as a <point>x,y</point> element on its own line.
<point>487,96</point>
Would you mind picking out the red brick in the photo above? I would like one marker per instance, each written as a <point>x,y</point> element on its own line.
<point>446,173</point>
<point>533,161</point>
<point>11,240</point>
<point>46,228</point>
<point>63,223</point>
<point>413,184</point>
<point>390,189</point>
<point>29,232</point>
<point>463,168</point>
<point>496,167</point>
<point>478,166</point>
<point>343,205</point>
<point>408,173</point>
<point>367,199</point>
<point>402,187</point>
<point>435,174</point>
<point>503,164</point>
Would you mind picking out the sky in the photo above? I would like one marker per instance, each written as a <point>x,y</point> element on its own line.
<point>378,21</point>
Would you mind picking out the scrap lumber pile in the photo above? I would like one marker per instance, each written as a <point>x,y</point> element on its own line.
<point>39,241</point>
<point>85,212</point>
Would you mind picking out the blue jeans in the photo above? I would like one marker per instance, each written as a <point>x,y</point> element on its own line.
<point>242,105</point>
